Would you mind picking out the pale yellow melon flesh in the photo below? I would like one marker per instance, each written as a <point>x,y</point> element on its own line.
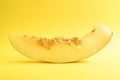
<point>62,52</point>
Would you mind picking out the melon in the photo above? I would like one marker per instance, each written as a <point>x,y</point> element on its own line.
<point>61,49</point>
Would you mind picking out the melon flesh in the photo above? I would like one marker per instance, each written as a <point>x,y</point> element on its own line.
<point>62,52</point>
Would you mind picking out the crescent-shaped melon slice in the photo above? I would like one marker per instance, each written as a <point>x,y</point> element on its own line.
<point>62,49</point>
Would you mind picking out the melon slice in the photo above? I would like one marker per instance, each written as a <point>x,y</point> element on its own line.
<point>62,49</point>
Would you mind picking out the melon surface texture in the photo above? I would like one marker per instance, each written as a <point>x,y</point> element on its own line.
<point>60,49</point>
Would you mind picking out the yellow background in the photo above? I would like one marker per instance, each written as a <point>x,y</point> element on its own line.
<point>50,18</point>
